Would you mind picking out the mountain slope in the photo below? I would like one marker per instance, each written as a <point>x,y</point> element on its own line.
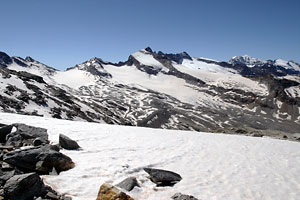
<point>173,91</point>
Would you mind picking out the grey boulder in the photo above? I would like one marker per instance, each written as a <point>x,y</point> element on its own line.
<point>128,184</point>
<point>24,187</point>
<point>42,159</point>
<point>179,196</point>
<point>163,177</point>
<point>26,134</point>
<point>67,143</point>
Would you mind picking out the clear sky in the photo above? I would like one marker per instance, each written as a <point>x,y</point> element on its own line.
<point>62,33</point>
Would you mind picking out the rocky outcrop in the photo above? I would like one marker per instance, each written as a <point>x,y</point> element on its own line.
<point>109,192</point>
<point>4,59</point>
<point>67,143</point>
<point>41,159</point>
<point>163,177</point>
<point>128,184</point>
<point>25,135</point>
<point>24,187</point>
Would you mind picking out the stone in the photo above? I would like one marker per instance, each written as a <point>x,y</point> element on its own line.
<point>109,192</point>
<point>4,131</point>
<point>25,135</point>
<point>163,177</point>
<point>128,184</point>
<point>67,143</point>
<point>23,187</point>
<point>37,142</point>
<point>179,196</point>
<point>257,135</point>
<point>40,159</point>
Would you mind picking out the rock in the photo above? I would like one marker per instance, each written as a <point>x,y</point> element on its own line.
<point>4,131</point>
<point>179,196</point>
<point>257,135</point>
<point>67,143</point>
<point>1,125</point>
<point>109,192</point>
<point>39,159</point>
<point>24,187</point>
<point>163,177</point>
<point>5,175</point>
<point>37,142</point>
<point>26,134</point>
<point>285,137</point>
<point>128,184</point>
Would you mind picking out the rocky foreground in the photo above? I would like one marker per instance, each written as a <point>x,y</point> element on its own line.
<point>26,153</point>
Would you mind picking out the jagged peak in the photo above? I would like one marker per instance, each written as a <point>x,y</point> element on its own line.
<point>29,59</point>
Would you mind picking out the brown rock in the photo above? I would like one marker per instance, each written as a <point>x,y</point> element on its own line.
<point>109,192</point>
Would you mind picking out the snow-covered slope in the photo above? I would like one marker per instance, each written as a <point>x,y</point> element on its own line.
<point>154,89</point>
<point>213,166</point>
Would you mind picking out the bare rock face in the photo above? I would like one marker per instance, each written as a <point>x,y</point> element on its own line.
<point>128,184</point>
<point>109,192</point>
<point>41,159</point>
<point>163,177</point>
<point>67,143</point>
<point>23,187</point>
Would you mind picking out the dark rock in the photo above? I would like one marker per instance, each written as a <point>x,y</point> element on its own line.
<point>38,142</point>
<point>67,143</point>
<point>163,177</point>
<point>26,134</point>
<point>5,175</point>
<point>179,196</point>
<point>128,184</point>
<point>39,159</point>
<point>285,137</point>
<point>4,59</point>
<point>24,187</point>
<point>1,125</point>
<point>257,135</point>
<point>4,131</point>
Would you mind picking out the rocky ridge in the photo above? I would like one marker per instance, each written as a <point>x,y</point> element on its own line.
<point>212,96</point>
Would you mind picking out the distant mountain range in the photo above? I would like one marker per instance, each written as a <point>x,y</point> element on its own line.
<point>154,89</point>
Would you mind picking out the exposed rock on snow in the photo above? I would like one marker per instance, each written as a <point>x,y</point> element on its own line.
<point>109,192</point>
<point>4,131</point>
<point>24,187</point>
<point>163,177</point>
<point>179,196</point>
<point>25,135</point>
<point>67,143</point>
<point>128,184</point>
<point>41,159</point>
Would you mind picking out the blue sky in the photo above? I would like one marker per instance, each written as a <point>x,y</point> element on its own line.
<point>64,33</point>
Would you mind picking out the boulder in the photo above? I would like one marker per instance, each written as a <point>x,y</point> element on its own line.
<point>40,159</point>
<point>67,143</point>
<point>109,192</point>
<point>128,184</point>
<point>179,196</point>
<point>24,187</point>
<point>4,131</point>
<point>26,134</point>
<point>163,177</point>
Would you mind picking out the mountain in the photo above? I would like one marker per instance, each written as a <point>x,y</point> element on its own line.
<point>160,90</point>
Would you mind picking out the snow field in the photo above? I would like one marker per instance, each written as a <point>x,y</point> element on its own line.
<point>213,166</point>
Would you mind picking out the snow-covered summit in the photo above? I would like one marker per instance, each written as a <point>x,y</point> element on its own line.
<point>246,60</point>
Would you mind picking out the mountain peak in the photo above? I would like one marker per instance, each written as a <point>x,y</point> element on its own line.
<point>246,60</point>
<point>148,49</point>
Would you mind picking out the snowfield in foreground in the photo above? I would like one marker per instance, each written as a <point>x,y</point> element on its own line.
<point>213,166</point>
